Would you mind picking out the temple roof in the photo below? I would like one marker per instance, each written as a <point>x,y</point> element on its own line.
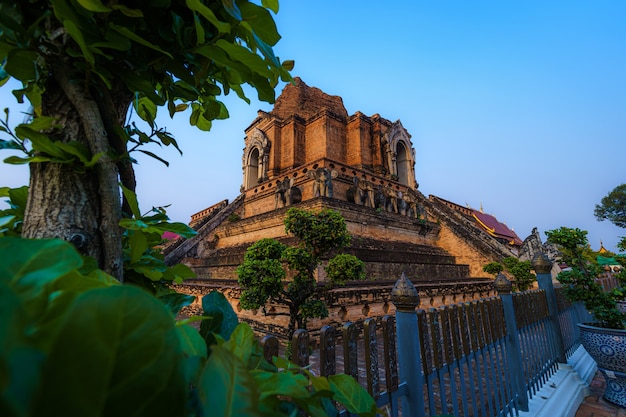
<point>304,101</point>
<point>486,222</point>
<point>496,228</point>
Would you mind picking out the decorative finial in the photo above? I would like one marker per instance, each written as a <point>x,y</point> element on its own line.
<point>404,295</point>
<point>541,263</point>
<point>502,285</point>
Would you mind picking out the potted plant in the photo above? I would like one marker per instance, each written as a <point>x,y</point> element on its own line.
<point>605,338</point>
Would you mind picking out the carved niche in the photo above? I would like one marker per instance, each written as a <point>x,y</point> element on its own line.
<point>255,159</point>
<point>399,155</point>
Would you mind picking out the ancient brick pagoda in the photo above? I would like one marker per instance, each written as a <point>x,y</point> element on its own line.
<point>308,152</point>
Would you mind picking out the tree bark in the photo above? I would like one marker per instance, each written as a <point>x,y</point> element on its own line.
<point>83,208</point>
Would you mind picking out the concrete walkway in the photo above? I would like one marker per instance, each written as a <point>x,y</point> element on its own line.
<point>596,406</point>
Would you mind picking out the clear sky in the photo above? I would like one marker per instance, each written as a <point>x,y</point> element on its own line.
<point>518,106</point>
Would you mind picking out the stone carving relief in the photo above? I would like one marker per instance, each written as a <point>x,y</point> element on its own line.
<point>323,181</point>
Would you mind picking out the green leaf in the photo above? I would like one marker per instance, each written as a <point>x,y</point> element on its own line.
<point>232,9</point>
<point>42,123</point>
<point>180,272</point>
<point>30,265</point>
<point>128,11</point>
<point>216,303</point>
<point>203,123</point>
<point>191,341</point>
<point>181,107</point>
<point>241,342</point>
<point>198,6</point>
<point>9,144</point>
<point>167,140</point>
<point>138,244</point>
<point>153,155</point>
<point>176,301</point>
<point>19,361</point>
<point>94,6</point>
<point>131,199</point>
<point>117,353</point>
<point>146,109</point>
<point>226,387</point>
<point>288,65</point>
<point>5,220</point>
<point>76,34</point>
<point>251,60</point>
<point>289,384</point>
<point>349,393</point>
<point>132,36</point>
<point>179,228</point>
<point>80,151</point>
<point>200,34</point>
<point>270,4</point>
<point>16,160</point>
<point>261,23</point>
<point>21,64</point>
<point>41,142</point>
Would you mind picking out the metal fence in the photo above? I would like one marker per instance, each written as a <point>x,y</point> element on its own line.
<point>482,358</point>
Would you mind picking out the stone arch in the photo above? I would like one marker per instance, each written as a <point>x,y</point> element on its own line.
<point>252,169</point>
<point>403,160</point>
<point>255,159</point>
<point>400,156</point>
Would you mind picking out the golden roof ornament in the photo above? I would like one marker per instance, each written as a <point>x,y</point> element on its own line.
<point>404,295</point>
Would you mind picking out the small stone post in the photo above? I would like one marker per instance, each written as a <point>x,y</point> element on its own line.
<point>514,354</point>
<point>406,299</point>
<point>542,266</point>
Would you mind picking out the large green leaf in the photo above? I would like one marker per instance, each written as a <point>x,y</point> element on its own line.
<point>226,387</point>
<point>293,385</point>
<point>19,361</point>
<point>215,304</point>
<point>191,341</point>
<point>261,21</point>
<point>241,342</point>
<point>175,301</point>
<point>21,64</point>
<point>29,265</point>
<point>117,353</point>
<point>349,393</point>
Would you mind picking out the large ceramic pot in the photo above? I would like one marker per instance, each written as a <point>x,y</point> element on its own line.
<point>608,348</point>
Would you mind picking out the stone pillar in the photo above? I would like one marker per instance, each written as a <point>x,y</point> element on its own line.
<point>514,355</point>
<point>406,299</point>
<point>543,267</point>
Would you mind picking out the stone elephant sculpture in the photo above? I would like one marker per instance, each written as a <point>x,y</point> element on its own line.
<point>323,181</point>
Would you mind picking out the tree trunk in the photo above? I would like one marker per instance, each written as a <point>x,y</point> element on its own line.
<point>82,208</point>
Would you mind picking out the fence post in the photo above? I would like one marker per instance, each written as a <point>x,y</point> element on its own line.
<point>542,266</point>
<point>406,299</point>
<point>514,354</point>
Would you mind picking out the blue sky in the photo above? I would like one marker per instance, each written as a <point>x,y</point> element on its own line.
<point>518,106</point>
